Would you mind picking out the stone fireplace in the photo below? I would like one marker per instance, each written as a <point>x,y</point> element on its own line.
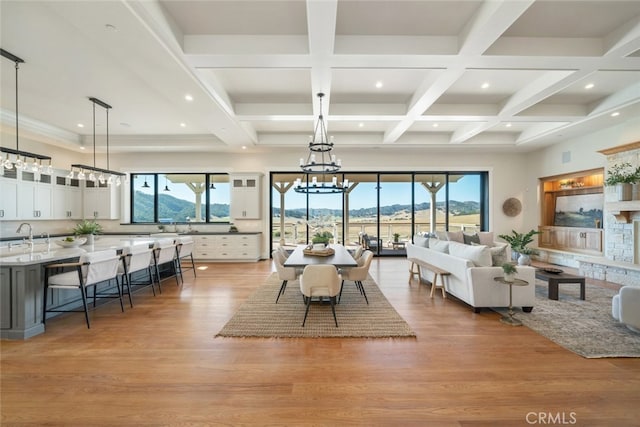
<point>621,261</point>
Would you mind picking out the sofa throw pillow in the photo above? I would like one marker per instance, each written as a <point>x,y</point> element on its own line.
<point>420,240</point>
<point>470,239</point>
<point>486,238</point>
<point>441,235</point>
<point>498,255</point>
<point>480,255</point>
<point>455,236</point>
<point>440,246</point>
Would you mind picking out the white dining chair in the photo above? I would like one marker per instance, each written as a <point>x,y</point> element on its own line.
<point>184,248</point>
<point>90,270</point>
<point>320,280</point>
<point>164,253</point>
<point>135,258</point>
<point>358,274</point>
<point>284,273</point>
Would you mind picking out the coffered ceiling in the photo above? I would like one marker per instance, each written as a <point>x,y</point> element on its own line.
<point>507,75</point>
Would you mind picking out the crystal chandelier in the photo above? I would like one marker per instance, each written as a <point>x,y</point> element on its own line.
<point>320,163</point>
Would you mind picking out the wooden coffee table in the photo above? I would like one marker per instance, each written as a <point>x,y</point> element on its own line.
<point>554,279</point>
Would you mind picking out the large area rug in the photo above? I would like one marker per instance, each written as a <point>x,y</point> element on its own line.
<point>584,327</point>
<point>260,316</point>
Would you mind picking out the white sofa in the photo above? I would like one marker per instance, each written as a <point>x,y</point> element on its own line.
<point>472,275</point>
<point>625,307</point>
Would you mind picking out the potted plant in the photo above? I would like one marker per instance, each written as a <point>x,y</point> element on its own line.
<point>622,176</point>
<point>518,241</point>
<point>509,270</point>
<point>322,237</point>
<point>88,229</point>
<point>525,255</point>
<point>396,237</point>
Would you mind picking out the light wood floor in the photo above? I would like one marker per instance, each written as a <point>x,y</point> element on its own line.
<point>159,364</point>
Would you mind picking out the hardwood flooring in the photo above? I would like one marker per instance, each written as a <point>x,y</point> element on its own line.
<point>159,364</point>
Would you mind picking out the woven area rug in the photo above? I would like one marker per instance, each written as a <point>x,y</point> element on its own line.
<point>584,327</point>
<point>260,316</point>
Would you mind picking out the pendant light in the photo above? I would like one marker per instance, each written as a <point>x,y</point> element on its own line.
<point>166,186</point>
<point>320,162</point>
<point>20,157</point>
<point>93,169</point>
<point>145,185</point>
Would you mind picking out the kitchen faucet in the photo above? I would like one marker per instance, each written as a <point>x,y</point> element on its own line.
<point>19,230</point>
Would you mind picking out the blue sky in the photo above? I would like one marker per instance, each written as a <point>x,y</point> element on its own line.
<point>364,196</point>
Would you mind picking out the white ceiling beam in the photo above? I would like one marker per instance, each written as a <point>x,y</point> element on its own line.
<point>492,19</point>
<point>151,15</point>
<point>625,40</point>
<point>490,22</point>
<point>423,101</point>
<point>470,130</point>
<point>541,88</point>
<point>321,21</point>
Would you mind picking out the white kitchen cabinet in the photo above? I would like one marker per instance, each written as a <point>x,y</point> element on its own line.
<point>245,196</point>
<point>67,198</point>
<point>9,197</point>
<point>35,194</point>
<point>101,201</point>
<point>227,247</point>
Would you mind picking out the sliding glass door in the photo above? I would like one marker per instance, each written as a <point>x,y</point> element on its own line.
<point>379,210</point>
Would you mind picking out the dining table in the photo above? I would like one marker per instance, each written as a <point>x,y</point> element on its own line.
<point>340,258</point>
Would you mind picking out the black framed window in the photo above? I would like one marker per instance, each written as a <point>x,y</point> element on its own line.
<point>180,198</point>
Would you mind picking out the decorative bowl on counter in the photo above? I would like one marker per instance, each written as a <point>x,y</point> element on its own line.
<point>77,241</point>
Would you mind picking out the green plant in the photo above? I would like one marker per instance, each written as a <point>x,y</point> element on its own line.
<point>322,237</point>
<point>519,241</point>
<point>396,237</point>
<point>87,227</point>
<point>509,268</point>
<point>622,173</point>
<point>528,251</point>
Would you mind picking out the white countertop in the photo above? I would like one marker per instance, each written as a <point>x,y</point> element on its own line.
<point>46,253</point>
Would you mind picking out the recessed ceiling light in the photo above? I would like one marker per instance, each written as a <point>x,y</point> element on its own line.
<point>110,27</point>
<point>183,125</point>
<point>244,147</point>
<point>615,114</point>
<point>435,125</point>
<point>508,125</point>
<point>589,86</point>
<point>80,125</point>
<point>82,147</point>
<point>485,85</point>
<point>188,97</point>
<point>379,84</point>
<point>360,124</point>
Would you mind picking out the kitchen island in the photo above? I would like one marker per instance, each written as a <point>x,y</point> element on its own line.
<point>22,282</point>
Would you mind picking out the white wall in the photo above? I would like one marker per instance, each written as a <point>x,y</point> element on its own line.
<point>511,175</point>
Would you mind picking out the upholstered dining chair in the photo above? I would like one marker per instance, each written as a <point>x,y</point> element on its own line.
<point>283,251</point>
<point>320,280</point>
<point>134,258</point>
<point>164,252</point>
<point>358,252</point>
<point>284,273</point>
<point>184,248</point>
<point>90,270</point>
<point>358,274</point>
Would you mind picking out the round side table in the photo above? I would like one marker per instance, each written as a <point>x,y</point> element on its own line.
<point>510,319</point>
